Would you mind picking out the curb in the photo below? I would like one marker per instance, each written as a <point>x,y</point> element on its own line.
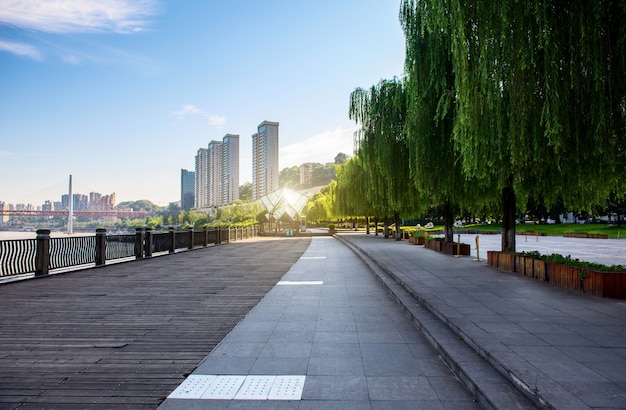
<point>493,386</point>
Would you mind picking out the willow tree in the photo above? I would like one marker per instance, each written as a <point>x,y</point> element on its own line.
<point>436,168</point>
<point>540,97</point>
<point>382,146</point>
<point>352,190</point>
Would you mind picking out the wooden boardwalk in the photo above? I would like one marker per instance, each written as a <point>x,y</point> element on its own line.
<point>125,335</point>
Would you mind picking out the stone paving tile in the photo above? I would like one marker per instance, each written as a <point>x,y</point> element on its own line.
<point>555,341</point>
<point>346,335</point>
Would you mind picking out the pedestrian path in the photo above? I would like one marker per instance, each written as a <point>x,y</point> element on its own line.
<point>328,335</point>
<point>564,350</point>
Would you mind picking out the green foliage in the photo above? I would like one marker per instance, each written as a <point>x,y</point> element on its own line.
<point>320,206</point>
<point>383,148</point>
<point>569,261</point>
<point>236,215</point>
<point>323,175</point>
<point>140,205</point>
<point>341,158</point>
<point>245,192</point>
<point>289,177</point>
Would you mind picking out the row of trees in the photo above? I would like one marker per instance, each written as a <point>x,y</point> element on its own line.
<point>501,102</point>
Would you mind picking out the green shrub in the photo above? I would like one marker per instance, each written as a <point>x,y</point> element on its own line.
<point>569,261</point>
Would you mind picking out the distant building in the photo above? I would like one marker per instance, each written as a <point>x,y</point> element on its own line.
<point>229,178</point>
<point>187,189</point>
<point>202,196</point>
<point>265,172</point>
<point>214,174</point>
<point>306,172</point>
<point>5,207</point>
<point>99,202</point>
<point>217,174</point>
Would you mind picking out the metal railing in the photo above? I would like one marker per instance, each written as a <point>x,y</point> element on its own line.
<point>40,256</point>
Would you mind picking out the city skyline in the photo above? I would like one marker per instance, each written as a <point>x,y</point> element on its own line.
<point>118,93</point>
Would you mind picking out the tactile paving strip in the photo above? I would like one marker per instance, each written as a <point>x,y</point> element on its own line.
<point>287,388</point>
<point>193,387</point>
<point>230,387</point>
<point>255,388</point>
<point>300,282</point>
<point>224,388</point>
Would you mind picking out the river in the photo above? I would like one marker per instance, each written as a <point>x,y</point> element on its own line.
<point>5,235</point>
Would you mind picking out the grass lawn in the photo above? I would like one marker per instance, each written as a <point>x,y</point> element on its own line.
<point>559,229</point>
<point>614,232</point>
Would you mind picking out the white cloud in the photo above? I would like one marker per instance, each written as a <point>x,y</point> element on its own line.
<point>322,148</point>
<point>21,49</point>
<point>71,16</point>
<point>188,109</point>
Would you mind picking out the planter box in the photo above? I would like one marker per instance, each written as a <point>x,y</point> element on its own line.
<point>500,260</point>
<point>434,245</point>
<point>531,267</point>
<point>586,235</point>
<point>417,241</point>
<point>449,248</point>
<point>595,283</point>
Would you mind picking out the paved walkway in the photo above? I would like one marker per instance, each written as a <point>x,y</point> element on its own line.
<point>566,350</point>
<point>328,336</point>
<point>604,251</point>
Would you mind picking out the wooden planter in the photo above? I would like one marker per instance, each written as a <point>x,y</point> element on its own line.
<point>586,235</point>
<point>449,248</point>
<point>500,260</point>
<point>589,281</point>
<point>531,267</point>
<point>416,240</point>
<point>434,245</point>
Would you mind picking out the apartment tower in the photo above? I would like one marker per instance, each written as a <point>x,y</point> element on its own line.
<point>265,160</point>
<point>229,181</point>
<point>217,174</point>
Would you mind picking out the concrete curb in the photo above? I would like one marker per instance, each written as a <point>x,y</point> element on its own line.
<point>493,385</point>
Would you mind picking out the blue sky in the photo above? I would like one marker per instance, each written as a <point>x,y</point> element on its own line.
<point>122,93</point>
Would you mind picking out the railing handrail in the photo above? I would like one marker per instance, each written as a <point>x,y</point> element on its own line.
<point>27,257</point>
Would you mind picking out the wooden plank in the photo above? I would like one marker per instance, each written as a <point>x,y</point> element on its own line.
<point>125,335</point>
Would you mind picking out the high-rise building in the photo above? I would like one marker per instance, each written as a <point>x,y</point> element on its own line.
<point>187,189</point>
<point>217,174</point>
<point>265,160</point>
<point>214,174</point>
<point>202,195</point>
<point>229,178</point>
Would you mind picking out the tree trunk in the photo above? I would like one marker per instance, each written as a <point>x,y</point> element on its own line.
<point>376,227</point>
<point>386,228</point>
<point>367,225</point>
<point>398,235</point>
<point>508,219</point>
<point>448,223</point>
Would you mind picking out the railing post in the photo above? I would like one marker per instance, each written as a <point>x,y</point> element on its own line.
<point>139,237</point>
<point>147,250</point>
<point>173,239</point>
<point>101,243</point>
<point>228,238</point>
<point>206,236</point>
<point>218,235</point>
<point>190,238</point>
<point>42,256</point>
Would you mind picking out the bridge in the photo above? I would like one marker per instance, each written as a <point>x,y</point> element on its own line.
<point>87,213</point>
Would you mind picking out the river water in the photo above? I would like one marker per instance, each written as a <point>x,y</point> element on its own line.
<point>5,235</point>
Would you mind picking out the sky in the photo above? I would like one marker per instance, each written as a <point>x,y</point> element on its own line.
<point>121,94</point>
